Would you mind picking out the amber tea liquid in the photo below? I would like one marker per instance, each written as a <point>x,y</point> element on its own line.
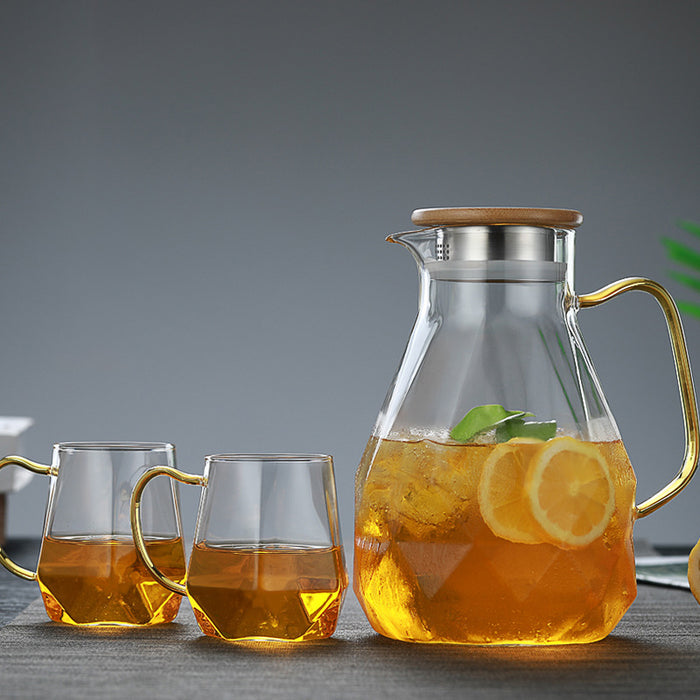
<point>266,593</point>
<point>429,569</point>
<point>101,581</point>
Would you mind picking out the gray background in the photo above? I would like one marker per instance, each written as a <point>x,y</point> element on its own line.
<point>194,198</point>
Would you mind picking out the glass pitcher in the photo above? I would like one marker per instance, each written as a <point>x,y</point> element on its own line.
<point>495,500</point>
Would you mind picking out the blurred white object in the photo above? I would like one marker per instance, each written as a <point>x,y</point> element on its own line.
<point>11,429</point>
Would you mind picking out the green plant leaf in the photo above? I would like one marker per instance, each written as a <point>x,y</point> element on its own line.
<point>482,418</point>
<point>517,427</point>
<point>687,280</point>
<point>682,253</point>
<point>687,307</point>
<point>689,226</point>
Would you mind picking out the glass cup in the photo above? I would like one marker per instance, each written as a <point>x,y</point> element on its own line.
<point>267,561</point>
<point>88,571</point>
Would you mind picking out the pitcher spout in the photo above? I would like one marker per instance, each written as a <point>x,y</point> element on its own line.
<point>421,243</point>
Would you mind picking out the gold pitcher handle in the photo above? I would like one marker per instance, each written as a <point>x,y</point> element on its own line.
<point>37,468</point>
<point>137,530</point>
<point>685,379</point>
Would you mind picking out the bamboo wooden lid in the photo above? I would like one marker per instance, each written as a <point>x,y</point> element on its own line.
<point>489,216</point>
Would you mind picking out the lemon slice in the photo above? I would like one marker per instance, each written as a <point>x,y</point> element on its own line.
<point>570,492</point>
<point>694,571</point>
<point>503,502</point>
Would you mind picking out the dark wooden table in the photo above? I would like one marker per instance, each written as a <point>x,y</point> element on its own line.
<point>655,651</point>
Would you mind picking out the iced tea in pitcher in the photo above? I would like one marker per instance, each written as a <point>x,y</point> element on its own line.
<point>481,542</point>
<point>494,501</point>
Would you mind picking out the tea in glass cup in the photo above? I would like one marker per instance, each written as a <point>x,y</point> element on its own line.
<point>267,561</point>
<point>88,571</point>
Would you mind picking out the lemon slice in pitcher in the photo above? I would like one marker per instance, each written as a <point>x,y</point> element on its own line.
<point>570,493</point>
<point>694,571</point>
<point>503,501</point>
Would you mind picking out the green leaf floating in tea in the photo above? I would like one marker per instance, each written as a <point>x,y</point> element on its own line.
<point>517,427</point>
<point>508,424</point>
<point>483,418</point>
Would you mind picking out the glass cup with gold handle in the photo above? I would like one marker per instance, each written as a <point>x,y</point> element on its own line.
<point>88,571</point>
<point>267,561</point>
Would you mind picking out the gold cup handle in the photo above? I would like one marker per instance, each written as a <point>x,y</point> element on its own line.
<point>685,379</point>
<point>37,468</point>
<point>137,530</point>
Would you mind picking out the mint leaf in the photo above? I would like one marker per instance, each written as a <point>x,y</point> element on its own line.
<point>483,418</point>
<point>517,427</point>
<point>690,227</point>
